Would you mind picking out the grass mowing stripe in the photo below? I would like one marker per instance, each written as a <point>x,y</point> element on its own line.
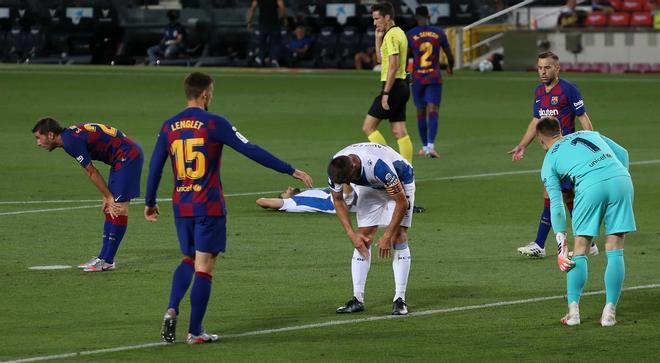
<point>332,323</point>
<point>470,176</point>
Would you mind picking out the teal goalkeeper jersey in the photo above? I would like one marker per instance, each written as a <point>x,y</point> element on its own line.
<point>585,158</point>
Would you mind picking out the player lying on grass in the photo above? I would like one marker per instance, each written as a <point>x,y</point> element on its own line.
<point>311,200</point>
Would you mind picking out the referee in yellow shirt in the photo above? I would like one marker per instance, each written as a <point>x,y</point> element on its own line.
<point>391,103</point>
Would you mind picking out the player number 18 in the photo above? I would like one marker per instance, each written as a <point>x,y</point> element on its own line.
<point>184,152</point>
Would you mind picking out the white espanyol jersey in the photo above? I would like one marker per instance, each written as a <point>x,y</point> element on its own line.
<point>382,167</point>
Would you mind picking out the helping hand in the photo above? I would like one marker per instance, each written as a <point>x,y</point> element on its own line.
<point>517,153</point>
<point>304,177</point>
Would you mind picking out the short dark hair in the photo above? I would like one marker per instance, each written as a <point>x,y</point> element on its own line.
<point>196,83</point>
<point>422,11</point>
<point>384,8</point>
<point>552,55</point>
<point>548,126</point>
<point>46,125</point>
<point>340,170</point>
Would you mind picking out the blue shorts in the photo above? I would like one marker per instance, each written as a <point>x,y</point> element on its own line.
<point>424,94</point>
<point>204,234</point>
<point>124,184</point>
<point>610,201</point>
<point>566,185</point>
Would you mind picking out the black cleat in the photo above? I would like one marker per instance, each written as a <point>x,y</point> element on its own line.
<point>399,307</point>
<point>352,306</point>
<point>418,209</point>
<point>168,329</point>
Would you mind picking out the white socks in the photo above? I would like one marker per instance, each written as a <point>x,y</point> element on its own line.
<point>401,267</point>
<point>359,270</point>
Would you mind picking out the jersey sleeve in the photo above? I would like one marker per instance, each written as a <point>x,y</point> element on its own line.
<point>226,133</point>
<point>386,174</point>
<point>156,164</point>
<point>337,188</point>
<point>577,103</point>
<point>619,151</point>
<point>535,109</point>
<point>553,187</point>
<point>77,148</point>
<point>392,45</point>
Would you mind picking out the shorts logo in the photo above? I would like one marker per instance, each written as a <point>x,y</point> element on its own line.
<point>554,100</point>
<point>80,159</point>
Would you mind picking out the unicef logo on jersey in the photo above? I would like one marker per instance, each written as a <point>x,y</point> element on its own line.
<point>547,112</point>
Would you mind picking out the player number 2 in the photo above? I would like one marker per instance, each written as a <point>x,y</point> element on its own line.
<point>184,152</point>
<point>105,128</point>
<point>427,48</point>
<point>590,145</point>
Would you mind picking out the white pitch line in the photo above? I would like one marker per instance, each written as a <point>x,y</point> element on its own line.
<point>469,176</point>
<point>330,323</point>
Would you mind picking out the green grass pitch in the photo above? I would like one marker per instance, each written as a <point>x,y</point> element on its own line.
<point>292,270</point>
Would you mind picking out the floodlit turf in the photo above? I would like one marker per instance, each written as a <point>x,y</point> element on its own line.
<point>287,270</point>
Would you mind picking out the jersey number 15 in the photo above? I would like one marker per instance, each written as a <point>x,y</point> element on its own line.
<point>184,152</point>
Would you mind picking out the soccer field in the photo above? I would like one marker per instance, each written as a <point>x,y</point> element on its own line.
<point>276,288</point>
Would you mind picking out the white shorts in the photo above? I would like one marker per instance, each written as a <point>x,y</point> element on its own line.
<point>375,207</point>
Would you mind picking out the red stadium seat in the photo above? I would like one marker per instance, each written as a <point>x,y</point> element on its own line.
<point>619,67</point>
<point>641,19</point>
<point>596,19</point>
<point>582,67</point>
<point>633,5</point>
<point>567,67</point>
<point>640,68</point>
<point>616,4</point>
<point>600,67</point>
<point>619,19</point>
<point>655,68</point>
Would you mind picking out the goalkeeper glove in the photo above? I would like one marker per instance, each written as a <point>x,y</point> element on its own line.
<point>564,263</point>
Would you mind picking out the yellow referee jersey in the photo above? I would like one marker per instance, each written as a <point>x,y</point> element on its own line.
<point>394,42</point>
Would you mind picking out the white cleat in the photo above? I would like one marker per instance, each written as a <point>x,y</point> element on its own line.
<point>202,338</point>
<point>100,266</point>
<point>593,251</point>
<point>573,316</point>
<point>532,250</point>
<point>91,262</point>
<point>609,315</point>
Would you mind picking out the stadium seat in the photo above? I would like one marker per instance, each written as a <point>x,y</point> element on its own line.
<point>616,4</point>
<point>619,20</point>
<point>325,48</point>
<point>582,67</point>
<point>641,19</point>
<point>619,67</point>
<point>349,42</point>
<point>640,68</point>
<point>596,19</point>
<point>655,68</point>
<point>599,67</point>
<point>567,67</point>
<point>633,5</point>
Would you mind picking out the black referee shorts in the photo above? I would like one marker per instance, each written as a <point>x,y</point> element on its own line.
<point>399,95</point>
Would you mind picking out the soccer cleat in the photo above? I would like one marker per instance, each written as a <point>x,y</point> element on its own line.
<point>421,152</point>
<point>399,307</point>
<point>433,154</point>
<point>609,315</point>
<point>91,262</point>
<point>593,250</point>
<point>418,209</point>
<point>532,250</point>
<point>573,316</point>
<point>168,329</point>
<point>202,338</point>
<point>352,306</point>
<point>100,266</point>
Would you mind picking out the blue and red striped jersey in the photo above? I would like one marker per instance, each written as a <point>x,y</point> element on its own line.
<point>193,140</point>
<point>426,42</point>
<point>563,101</point>
<point>94,141</point>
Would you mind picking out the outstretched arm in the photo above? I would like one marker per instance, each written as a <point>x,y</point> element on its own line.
<point>518,152</point>
<point>270,203</point>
